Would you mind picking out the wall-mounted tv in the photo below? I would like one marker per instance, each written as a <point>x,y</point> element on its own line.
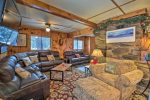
<point>8,36</point>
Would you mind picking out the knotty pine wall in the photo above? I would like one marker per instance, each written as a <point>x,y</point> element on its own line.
<point>55,36</point>
<point>89,42</point>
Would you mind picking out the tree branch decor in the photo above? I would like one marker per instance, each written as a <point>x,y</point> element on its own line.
<point>132,20</point>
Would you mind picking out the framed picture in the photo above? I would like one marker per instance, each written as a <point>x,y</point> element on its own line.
<point>3,49</point>
<point>121,35</point>
<point>22,39</point>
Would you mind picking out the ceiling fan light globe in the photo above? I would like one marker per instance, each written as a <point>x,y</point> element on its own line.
<point>48,29</point>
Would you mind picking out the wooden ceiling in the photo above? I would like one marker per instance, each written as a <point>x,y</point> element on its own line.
<point>69,15</point>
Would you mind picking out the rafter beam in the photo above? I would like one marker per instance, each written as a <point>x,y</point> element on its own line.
<point>86,31</point>
<point>118,6</point>
<point>131,14</point>
<point>55,11</point>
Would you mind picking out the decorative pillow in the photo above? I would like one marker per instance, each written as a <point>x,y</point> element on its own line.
<point>27,61</point>
<point>110,68</point>
<point>22,72</point>
<point>77,55</point>
<point>50,57</point>
<point>34,59</point>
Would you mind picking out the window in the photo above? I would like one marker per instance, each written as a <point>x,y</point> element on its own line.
<point>78,45</point>
<point>40,43</point>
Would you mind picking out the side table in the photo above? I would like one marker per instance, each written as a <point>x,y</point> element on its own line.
<point>87,70</point>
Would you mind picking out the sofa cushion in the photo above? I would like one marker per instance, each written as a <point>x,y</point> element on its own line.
<point>29,81</point>
<point>27,61</point>
<point>79,59</point>
<point>43,59</point>
<point>122,66</point>
<point>94,89</point>
<point>19,56</point>
<point>6,72</point>
<point>7,88</point>
<point>77,55</point>
<point>44,53</point>
<point>34,58</point>
<point>47,63</point>
<point>56,62</point>
<point>107,78</point>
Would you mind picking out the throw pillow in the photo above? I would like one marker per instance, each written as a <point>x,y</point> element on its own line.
<point>77,55</point>
<point>110,68</point>
<point>34,59</point>
<point>50,57</point>
<point>27,61</point>
<point>22,72</point>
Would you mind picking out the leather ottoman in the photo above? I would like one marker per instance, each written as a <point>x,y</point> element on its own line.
<point>94,89</point>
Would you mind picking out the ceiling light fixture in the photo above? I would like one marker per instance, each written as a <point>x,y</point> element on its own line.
<point>48,29</point>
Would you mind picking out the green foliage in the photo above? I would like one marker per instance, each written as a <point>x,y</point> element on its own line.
<point>132,20</point>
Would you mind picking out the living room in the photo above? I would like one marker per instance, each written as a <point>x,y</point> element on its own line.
<point>74,50</point>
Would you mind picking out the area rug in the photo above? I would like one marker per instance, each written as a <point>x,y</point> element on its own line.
<point>63,90</point>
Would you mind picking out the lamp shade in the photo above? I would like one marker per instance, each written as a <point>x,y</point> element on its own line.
<point>97,53</point>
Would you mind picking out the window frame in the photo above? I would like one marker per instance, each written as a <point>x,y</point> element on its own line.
<point>41,43</point>
<point>76,39</point>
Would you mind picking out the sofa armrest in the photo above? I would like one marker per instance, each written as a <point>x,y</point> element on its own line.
<point>97,68</point>
<point>129,79</point>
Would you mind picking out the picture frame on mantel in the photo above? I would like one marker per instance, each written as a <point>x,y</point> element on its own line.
<point>22,39</point>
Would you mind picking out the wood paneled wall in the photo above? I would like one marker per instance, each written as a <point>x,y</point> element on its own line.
<point>55,37</point>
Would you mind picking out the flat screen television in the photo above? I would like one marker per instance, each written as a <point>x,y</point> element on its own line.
<point>8,36</point>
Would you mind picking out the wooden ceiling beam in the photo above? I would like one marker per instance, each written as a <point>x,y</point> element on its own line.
<point>86,31</point>
<point>118,6</point>
<point>55,11</point>
<point>131,14</point>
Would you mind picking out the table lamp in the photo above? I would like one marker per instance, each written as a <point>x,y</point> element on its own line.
<point>96,53</point>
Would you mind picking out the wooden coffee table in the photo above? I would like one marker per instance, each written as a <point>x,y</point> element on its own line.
<point>60,68</point>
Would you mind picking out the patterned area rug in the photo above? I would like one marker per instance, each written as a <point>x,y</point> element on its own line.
<point>63,90</point>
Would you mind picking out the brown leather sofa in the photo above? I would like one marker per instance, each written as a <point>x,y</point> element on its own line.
<point>13,87</point>
<point>44,63</point>
<point>70,57</point>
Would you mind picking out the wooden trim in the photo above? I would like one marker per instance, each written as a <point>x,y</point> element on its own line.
<point>131,14</point>
<point>118,6</point>
<point>86,31</point>
<point>55,11</point>
<point>110,9</point>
